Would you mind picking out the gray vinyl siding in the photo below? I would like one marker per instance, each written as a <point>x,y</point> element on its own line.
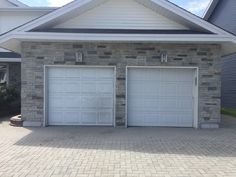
<point>229,82</point>
<point>224,16</point>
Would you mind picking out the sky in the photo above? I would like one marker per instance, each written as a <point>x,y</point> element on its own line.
<point>197,7</point>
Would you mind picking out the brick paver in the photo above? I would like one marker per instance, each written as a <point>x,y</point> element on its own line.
<point>109,152</point>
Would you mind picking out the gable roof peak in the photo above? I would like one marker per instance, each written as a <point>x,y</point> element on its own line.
<point>165,7</point>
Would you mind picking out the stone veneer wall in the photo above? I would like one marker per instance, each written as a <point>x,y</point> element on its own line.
<point>36,54</point>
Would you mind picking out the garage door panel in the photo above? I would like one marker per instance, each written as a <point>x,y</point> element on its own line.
<point>60,117</point>
<point>79,96</point>
<point>104,117</point>
<point>162,118</point>
<point>72,73</point>
<point>60,88</point>
<point>138,87</point>
<point>158,89</point>
<point>160,97</point>
<point>56,73</point>
<point>71,117</point>
<point>88,87</point>
<point>105,102</point>
<point>89,117</point>
<point>64,101</point>
<point>105,87</point>
<point>163,102</point>
<point>108,74</point>
<point>89,102</point>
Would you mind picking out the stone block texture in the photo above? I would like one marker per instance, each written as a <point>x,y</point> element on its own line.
<point>37,54</point>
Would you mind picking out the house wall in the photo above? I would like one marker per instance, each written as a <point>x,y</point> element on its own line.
<point>123,14</point>
<point>229,82</point>
<point>224,16</point>
<point>12,19</point>
<point>36,55</point>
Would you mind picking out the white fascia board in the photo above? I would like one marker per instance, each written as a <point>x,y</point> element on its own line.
<point>18,60</point>
<point>39,36</point>
<point>228,43</point>
<point>27,9</point>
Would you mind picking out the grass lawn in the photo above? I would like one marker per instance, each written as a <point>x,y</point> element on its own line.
<point>228,111</point>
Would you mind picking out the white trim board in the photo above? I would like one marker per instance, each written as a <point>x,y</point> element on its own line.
<point>18,60</point>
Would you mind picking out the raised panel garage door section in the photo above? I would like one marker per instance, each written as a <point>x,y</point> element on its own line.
<point>160,97</point>
<point>80,96</point>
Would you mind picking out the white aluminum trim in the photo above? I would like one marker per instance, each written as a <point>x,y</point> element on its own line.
<point>37,36</point>
<point>114,104</point>
<point>196,88</point>
<point>10,60</point>
<point>126,97</point>
<point>46,67</point>
<point>27,9</point>
<point>45,97</point>
<point>196,100</point>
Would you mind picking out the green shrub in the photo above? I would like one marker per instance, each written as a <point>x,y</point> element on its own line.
<point>8,95</point>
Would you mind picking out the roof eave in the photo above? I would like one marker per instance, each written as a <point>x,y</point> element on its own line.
<point>12,42</point>
<point>28,9</point>
<point>210,9</point>
<point>17,3</point>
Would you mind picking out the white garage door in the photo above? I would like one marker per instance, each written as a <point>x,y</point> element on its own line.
<point>80,96</point>
<point>160,97</point>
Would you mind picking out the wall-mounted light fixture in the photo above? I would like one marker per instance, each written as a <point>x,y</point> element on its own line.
<point>164,57</point>
<point>79,56</point>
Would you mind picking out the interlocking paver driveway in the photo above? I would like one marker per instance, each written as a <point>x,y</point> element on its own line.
<point>101,152</point>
